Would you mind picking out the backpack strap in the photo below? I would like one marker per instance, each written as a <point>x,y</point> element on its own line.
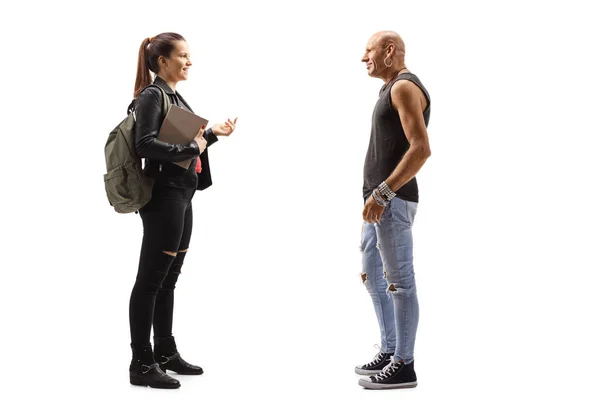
<point>166,102</point>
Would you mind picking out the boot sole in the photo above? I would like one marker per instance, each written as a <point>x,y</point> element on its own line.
<point>188,373</point>
<point>181,373</point>
<point>141,382</point>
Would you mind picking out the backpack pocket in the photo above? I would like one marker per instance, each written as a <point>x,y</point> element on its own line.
<point>117,189</point>
<point>127,188</point>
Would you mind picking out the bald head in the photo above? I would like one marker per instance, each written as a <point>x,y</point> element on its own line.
<point>384,39</point>
<point>384,55</point>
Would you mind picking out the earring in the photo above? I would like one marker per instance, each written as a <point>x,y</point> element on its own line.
<point>385,63</point>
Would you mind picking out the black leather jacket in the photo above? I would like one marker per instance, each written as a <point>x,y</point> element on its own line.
<point>160,155</point>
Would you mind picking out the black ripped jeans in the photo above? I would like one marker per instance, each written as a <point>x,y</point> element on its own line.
<point>167,221</point>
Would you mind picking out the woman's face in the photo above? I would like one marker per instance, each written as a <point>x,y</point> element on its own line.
<point>175,68</point>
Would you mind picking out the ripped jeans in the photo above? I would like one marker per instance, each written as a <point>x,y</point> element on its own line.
<point>167,221</point>
<point>387,249</point>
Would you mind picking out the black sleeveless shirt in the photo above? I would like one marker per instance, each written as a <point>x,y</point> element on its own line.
<point>388,142</point>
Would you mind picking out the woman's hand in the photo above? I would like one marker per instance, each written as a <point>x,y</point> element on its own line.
<point>224,129</point>
<point>200,140</point>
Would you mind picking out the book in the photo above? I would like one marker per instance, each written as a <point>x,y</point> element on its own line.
<point>180,127</point>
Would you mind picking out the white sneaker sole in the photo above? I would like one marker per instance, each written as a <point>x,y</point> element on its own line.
<point>367,384</point>
<point>360,371</point>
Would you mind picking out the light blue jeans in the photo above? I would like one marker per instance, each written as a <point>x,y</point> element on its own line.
<point>387,248</point>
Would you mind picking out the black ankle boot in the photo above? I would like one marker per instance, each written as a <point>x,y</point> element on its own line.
<point>168,358</point>
<point>144,371</point>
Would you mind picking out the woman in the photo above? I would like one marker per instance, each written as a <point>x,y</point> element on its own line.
<point>167,218</point>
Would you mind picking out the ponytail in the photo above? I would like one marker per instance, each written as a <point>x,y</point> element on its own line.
<point>150,50</point>
<point>143,77</point>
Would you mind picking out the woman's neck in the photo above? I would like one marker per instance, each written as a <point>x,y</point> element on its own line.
<point>169,82</point>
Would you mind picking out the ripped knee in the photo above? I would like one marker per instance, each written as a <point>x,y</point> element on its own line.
<point>170,253</point>
<point>363,276</point>
<point>183,251</point>
<point>400,290</point>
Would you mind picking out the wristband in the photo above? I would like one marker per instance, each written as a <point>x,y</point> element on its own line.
<point>385,191</point>
<point>379,199</point>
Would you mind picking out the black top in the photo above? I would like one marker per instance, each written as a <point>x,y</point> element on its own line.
<point>388,142</point>
<point>160,155</point>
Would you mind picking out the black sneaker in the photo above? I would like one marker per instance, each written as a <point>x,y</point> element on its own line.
<point>375,366</point>
<point>395,375</point>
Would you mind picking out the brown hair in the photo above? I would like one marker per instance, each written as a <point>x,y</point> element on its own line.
<point>150,49</point>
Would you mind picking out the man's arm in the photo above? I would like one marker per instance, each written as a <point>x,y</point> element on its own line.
<point>408,100</point>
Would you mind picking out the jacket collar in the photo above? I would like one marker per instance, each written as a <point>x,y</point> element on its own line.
<point>160,82</point>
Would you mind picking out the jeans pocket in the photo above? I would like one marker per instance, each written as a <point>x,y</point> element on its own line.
<point>401,212</point>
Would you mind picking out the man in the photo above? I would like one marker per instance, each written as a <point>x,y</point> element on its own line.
<point>397,150</point>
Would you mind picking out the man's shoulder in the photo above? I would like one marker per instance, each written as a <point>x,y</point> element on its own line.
<point>404,86</point>
<point>408,90</point>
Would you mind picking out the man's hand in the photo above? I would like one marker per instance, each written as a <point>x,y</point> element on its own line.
<point>372,211</point>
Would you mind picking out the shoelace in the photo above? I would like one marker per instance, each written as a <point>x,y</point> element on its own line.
<point>388,371</point>
<point>378,358</point>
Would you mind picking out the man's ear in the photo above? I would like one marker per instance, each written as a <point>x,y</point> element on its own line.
<point>391,49</point>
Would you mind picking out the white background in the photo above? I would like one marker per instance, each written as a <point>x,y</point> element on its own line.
<point>270,301</point>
